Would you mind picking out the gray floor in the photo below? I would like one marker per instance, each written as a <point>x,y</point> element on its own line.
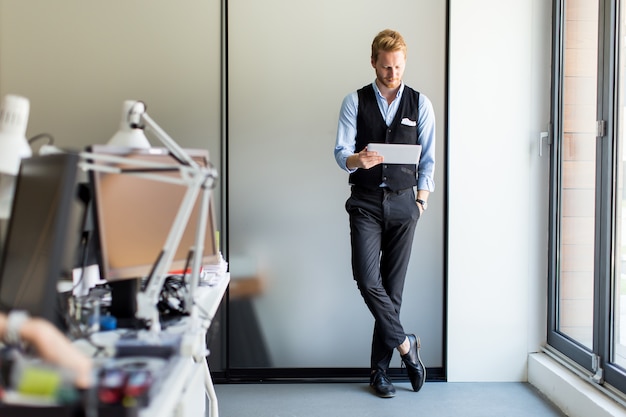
<point>436,399</point>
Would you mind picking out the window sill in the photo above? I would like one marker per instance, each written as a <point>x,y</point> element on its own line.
<point>572,394</point>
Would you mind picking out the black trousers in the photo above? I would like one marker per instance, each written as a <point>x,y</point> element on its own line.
<point>382,226</point>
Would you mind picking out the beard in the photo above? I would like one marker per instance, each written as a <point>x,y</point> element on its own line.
<point>390,83</point>
<point>387,82</point>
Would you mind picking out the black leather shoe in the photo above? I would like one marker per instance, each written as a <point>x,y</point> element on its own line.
<point>382,385</point>
<point>413,362</point>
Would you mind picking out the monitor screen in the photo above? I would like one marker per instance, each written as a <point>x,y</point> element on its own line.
<point>134,216</point>
<point>42,237</point>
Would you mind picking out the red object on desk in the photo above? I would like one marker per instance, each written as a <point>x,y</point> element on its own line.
<point>138,383</point>
<point>111,386</point>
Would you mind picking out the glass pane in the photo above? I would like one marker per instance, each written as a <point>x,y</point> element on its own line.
<point>578,167</point>
<point>619,330</point>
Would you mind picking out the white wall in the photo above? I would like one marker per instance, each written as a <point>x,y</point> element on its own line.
<point>78,61</point>
<point>498,104</point>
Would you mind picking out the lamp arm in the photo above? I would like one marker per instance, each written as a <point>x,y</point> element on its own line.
<point>141,119</point>
<point>198,248</point>
<point>148,298</point>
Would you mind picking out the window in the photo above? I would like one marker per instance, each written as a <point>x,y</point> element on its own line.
<point>588,214</point>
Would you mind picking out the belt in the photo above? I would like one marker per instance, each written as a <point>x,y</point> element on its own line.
<point>377,190</point>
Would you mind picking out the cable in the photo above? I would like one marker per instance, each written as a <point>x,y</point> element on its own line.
<point>172,296</point>
<point>63,310</point>
<point>40,136</point>
<point>84,243</point>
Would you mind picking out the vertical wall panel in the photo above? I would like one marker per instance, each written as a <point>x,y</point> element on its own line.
<point>290,65</point>
<point>499,103</point>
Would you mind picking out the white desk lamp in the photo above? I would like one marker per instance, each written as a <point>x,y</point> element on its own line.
<point>199,182</point>
<point>13,143</point>
<point>14,146</point>
<point>128,135</point>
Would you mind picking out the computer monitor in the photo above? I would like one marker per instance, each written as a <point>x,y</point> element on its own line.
<point>42,236</point>
<point>134,216</point>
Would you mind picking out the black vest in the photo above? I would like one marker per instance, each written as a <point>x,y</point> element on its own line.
<point>371,127</point>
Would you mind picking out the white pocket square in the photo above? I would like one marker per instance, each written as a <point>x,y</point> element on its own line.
<point>408,122</point>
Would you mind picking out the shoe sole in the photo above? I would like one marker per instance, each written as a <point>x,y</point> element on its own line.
<point>419,358</point>
<point>381,395</point>
<point>390,395</point>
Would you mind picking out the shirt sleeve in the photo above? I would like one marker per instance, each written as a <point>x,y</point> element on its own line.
<point>426,134</point>
<point>346,130</point>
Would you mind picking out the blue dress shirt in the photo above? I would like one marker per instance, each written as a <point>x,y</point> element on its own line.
<point>346,132</point>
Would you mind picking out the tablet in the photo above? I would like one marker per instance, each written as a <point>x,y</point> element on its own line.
<point>395,153</point>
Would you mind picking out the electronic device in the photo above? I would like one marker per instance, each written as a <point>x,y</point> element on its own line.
<point>133,216</point>
<point>397,153</point>
<point>42,236</point>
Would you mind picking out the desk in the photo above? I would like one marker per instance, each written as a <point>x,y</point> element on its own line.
<point>208,299</point>
<point>181,389</point>
<point>181,393</point>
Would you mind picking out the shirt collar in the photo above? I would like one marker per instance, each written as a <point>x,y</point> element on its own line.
<point>377,90</point>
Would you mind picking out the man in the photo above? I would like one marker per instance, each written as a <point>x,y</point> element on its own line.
<point>383,206</point>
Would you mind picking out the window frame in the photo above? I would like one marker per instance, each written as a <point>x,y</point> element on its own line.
<point>594,363</point>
